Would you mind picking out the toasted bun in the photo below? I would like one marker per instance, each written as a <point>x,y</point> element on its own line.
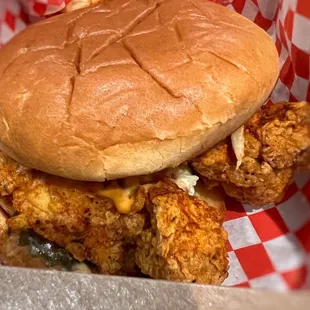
<point>130,87</point>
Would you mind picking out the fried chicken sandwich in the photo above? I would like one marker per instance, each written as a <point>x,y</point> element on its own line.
<point>107,111</point>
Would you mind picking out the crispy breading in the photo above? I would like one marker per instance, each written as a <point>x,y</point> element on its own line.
<point>185,240</point>
<point>303,161</point>
<point>190,240</point>
<point>12,175</point>
<point>277,142</point>
<point>284,133</point>
<point>257,184</point>
<point>71,215</point>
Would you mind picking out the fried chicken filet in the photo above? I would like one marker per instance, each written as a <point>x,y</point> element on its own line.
<point>276,144</point>
<point>185,240</point>
<point>109,111</point>
<point>88,226</point>
<point>168,234</point>
<point>166,228</point>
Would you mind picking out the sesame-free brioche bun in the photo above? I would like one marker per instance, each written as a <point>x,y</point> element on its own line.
<point>127,88</point>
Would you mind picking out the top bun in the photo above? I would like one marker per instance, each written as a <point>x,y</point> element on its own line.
<point>127,88</point>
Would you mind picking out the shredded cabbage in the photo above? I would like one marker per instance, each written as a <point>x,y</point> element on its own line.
<point>237,141</point>
<point>183,178</point>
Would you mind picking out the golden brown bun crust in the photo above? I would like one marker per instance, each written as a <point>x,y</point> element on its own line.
<point>130,87</point>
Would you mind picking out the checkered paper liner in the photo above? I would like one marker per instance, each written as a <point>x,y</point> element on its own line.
<point>268,247</point>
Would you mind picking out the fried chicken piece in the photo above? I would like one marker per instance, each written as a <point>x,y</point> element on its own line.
<point>79,217</point>
<point>277,142</point>
<point>185,240</point>
<point>257,184</point>
<point>284,132</point>
<point>70,214</point>
<point>303,161</point>
<point>12,175</point>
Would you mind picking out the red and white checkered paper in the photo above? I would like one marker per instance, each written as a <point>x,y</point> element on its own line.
<point>268,247</point>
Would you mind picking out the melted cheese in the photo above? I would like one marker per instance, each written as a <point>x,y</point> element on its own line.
<point>123,198</point>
